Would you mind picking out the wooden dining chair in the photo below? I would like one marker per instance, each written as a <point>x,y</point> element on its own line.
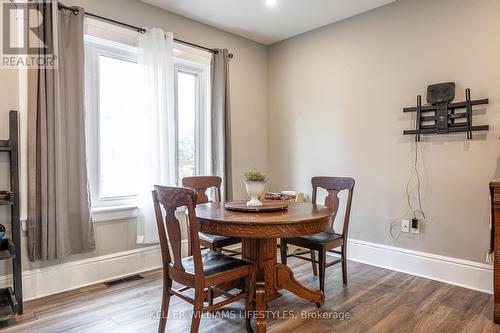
<point>329,240</point>
<point>203,270</point>
<point>201,184</point>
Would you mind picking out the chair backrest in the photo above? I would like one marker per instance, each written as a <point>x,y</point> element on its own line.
<point>201,184</point>
<point>171,198</point>
<point>333,185</point>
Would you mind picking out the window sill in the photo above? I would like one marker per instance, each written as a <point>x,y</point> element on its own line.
<point>114,213</point>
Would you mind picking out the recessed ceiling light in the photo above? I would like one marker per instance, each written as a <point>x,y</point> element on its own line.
<point>271,3</point>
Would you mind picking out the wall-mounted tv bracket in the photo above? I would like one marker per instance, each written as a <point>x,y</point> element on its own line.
<point>441,116</point>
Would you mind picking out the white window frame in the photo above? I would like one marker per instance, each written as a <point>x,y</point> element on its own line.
<point>95,48</point>
<point>123,46</point>
<point>202,121</point>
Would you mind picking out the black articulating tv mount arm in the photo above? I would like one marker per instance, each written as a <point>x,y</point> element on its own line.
<point>441,116</point>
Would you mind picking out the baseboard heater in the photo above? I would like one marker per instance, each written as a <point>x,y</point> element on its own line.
<point>130,278</point>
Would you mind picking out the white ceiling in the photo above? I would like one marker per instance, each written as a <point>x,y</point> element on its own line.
<point>255,20</point>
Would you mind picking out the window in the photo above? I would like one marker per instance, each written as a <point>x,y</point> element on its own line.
<point>113,98</point>
<point>186,101</point>
<point>113,103</point>
<point>191,111</point>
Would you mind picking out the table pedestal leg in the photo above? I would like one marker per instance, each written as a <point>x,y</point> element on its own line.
<point>285,280</point>
<point>262,253</point>
<point>260,307</point>
<point>272,277</point>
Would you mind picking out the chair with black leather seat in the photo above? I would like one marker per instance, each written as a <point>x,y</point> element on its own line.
<point>329,240</point>
<point>203,270</point>
<point>201,184</point>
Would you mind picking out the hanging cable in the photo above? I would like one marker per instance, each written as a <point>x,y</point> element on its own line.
<point>416,174</point>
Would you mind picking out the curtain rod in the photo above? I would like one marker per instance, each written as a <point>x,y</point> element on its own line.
<point>76,11</point>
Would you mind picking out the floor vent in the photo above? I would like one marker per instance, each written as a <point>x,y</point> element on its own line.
<point>123,280</point>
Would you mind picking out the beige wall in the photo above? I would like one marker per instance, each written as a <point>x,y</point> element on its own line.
<point>335,108</point>
<point>248,100</point>
<point>334,99</point>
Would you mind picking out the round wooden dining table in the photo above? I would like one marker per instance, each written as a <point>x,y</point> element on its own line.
<point>259,232</point>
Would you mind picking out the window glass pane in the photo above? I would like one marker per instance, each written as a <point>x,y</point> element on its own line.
<point>186,108</point>
<point>119,105</point>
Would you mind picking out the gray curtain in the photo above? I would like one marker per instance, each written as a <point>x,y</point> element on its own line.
<point>59,219</point>
<point>221,122</point>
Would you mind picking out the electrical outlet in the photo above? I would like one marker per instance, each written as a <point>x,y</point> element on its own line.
<point>415,226</point>
<point>405,225</point>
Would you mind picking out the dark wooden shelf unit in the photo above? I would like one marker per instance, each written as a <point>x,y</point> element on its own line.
<point>7,249</point>
<point>9,307</point>
<point>11,299</point>
<point>495,240</point>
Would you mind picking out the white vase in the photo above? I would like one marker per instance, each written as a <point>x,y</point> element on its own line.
<point>254,190</point>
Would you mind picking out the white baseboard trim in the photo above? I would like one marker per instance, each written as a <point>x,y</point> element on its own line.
<point>459,272</point>
<point>73,275</point>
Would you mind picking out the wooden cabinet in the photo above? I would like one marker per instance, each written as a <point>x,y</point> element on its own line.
<point>495,209</point>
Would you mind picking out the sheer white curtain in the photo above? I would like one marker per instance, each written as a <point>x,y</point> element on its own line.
<point>158,126</point>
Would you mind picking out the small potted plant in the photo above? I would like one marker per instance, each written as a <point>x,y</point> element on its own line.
<point>255,183</point>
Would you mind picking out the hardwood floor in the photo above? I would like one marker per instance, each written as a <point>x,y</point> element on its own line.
<point>376,299</point>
